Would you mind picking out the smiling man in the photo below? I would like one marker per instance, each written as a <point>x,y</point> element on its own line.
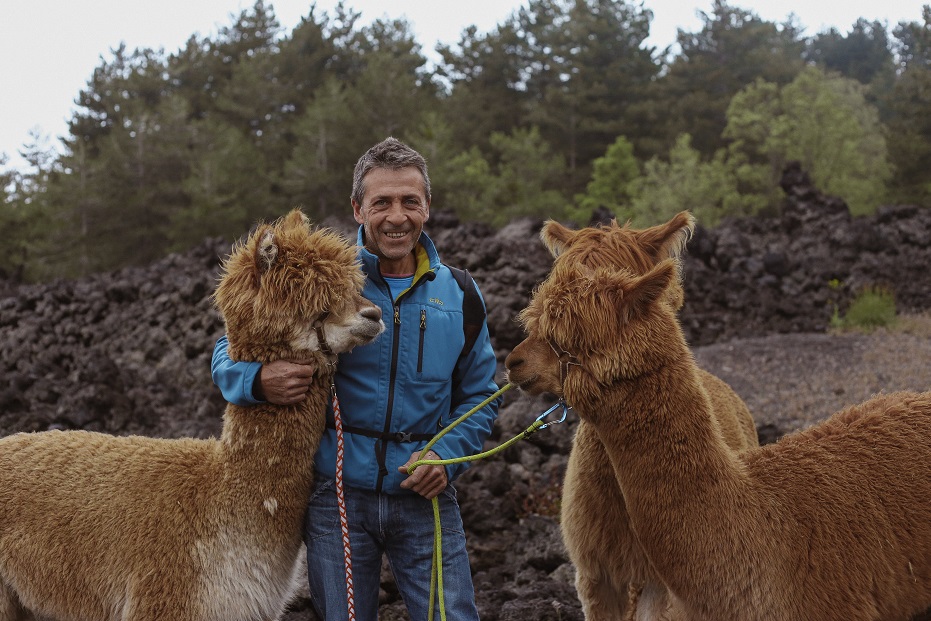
<point>395,394</point>
<point>392,207</point>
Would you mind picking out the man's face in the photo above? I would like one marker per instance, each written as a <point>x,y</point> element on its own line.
<point>393,211</point>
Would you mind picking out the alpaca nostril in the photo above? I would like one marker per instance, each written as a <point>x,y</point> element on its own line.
<point>371,312</point>
<point>512,363</point>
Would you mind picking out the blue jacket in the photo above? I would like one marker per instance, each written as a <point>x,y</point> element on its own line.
<point>409,380</point>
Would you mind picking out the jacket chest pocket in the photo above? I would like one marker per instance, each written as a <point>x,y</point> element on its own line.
<point>423,336</point>
<point>439,343</point>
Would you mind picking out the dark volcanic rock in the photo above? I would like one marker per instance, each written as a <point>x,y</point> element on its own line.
<point>787,274</point>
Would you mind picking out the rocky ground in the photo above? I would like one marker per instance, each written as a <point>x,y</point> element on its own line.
<point>128,352</point>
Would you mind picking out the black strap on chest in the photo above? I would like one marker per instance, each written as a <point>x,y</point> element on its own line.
<point>389,436</point>
<point>473,310</point>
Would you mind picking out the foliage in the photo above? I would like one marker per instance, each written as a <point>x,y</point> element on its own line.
<point>821,120</point>
<point>914,41</point>
<point>909,126</point>
<point>733,49</point>
<point>587,73</point>
<point>613,175</point>
<point>13,260</point>
<point>519,183</point>
<point>225,187</point>
<point>861,55</point>
<point>874,307</point>
<point>577,70</point>
<point>685,182</point>
<point>563,99</point>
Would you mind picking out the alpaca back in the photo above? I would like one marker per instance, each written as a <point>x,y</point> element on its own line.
<point>855,511</point>
<point>62,534</point>
<point>730,412</point>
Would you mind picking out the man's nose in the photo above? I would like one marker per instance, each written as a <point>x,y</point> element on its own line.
<point>395,210</point>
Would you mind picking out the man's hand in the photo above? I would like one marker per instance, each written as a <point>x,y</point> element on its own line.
<point>428,481</point>
<point>284,383</point>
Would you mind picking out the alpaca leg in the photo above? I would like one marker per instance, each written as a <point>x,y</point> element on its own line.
<point>656,604</point>
<point>601,601</point>
<point>10,608</point>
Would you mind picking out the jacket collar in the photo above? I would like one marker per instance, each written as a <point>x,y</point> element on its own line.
<point>428,259</point>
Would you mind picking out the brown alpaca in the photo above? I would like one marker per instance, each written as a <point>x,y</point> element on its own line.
<point>99,527</point>
<point>613,575</point>
<point>830,524</point>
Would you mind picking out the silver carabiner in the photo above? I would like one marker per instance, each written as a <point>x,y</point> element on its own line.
<point>565,411</point>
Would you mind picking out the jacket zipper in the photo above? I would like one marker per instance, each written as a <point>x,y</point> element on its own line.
<point>423,331</point>
<point>381,447</point>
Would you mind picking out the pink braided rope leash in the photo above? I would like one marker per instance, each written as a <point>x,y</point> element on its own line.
<point>341,503</point>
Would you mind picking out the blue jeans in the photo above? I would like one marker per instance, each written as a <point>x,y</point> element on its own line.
<point>399,526</point>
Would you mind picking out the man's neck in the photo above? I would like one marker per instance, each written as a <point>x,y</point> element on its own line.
<point>403,266</point>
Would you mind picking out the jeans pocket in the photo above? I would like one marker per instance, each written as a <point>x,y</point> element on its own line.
<point>322,517</point>
<point>450,516</point>
<point>450,493</point>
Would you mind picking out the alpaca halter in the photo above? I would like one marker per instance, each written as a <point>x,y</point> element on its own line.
<point>566,360</point>
<point>321,338</point>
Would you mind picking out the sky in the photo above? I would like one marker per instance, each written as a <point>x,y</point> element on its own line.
<point>49,48</point>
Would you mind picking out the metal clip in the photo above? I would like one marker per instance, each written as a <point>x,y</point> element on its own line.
<point>565,411</point>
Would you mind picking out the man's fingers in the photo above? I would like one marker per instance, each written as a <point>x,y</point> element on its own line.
<point>428,481</point>
<point>300,371</point>
<point>431,485</point>
<point>285,383</point>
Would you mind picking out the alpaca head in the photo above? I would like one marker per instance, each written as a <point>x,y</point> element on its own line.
<point>617,323</point>
<point>611,245</point>
<point>285,278</point>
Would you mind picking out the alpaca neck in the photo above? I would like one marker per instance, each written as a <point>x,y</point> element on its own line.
<point>278,440</point>
<point>681,483</point>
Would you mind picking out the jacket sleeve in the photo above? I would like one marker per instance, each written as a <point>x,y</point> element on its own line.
<point>234,379</point>
<point>473,382</point>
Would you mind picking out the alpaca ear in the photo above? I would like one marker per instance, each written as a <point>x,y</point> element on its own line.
<point>297,216</point>
<point>266,251</point>
<point>669,239</point>
<point>644,292</point>
<point>556,237</point>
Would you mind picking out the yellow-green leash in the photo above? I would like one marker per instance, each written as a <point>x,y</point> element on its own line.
<point>436,572</point>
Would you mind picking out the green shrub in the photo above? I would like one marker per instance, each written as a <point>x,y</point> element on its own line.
<point>874,307</point>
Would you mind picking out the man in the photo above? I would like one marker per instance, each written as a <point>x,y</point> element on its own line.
<point>394,394</point>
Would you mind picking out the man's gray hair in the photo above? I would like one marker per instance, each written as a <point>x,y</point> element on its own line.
<point>392,154</point>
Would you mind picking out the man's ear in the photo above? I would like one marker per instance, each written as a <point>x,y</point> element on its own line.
<point>357,212</point>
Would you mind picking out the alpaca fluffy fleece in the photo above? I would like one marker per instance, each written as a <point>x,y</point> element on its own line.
<point>614,578</point>
<point>97,527</point>
<point>832,523</point>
